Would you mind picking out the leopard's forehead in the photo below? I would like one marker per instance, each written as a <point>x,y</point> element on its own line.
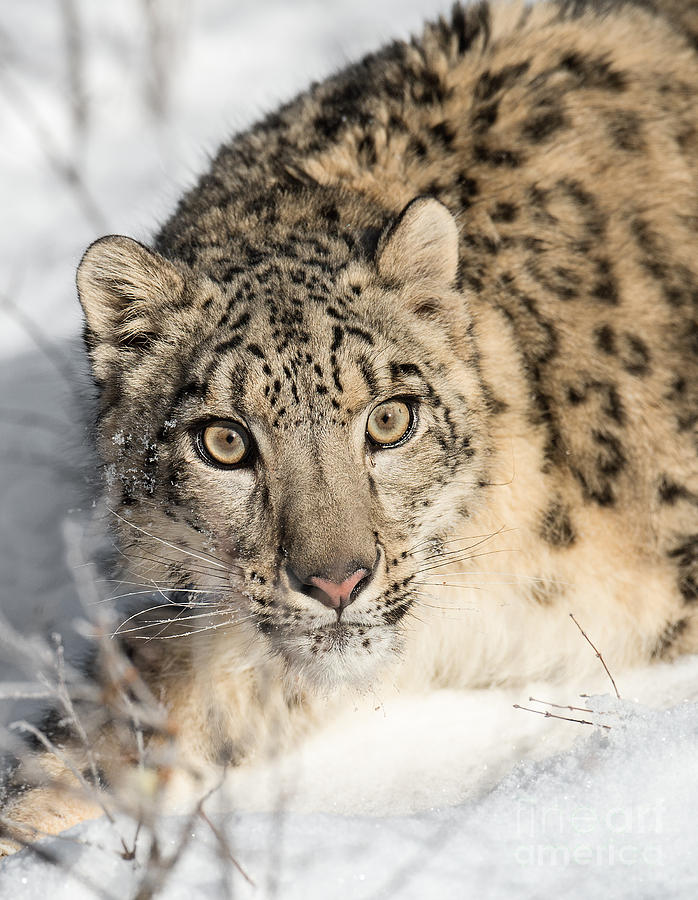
<point>291,293</point>
<point>314,328</point>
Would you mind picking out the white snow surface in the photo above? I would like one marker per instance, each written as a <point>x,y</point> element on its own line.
<point>451,794</point>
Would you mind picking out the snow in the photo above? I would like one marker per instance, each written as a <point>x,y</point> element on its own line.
<point>611,816</point>
<point>451,794</point>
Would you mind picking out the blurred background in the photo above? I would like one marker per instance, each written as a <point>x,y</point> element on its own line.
<point>108,111</point>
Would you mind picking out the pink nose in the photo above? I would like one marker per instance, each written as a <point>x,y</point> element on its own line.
<point>335,595</point>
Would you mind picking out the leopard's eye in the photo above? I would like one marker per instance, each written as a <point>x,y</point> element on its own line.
<point>225,444</point>
<point>390,423</point>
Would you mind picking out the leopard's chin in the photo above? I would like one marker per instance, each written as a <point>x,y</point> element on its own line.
<point>336,655</point>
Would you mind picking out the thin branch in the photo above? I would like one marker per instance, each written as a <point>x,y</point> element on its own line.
<point>48,349</point>
<point>598,654</point>
<point>548,715</point>
<point>560,705</point>
<point>65,168</point>
<point>48,745</point>
<point>220,837</point>
<point>75,63</point>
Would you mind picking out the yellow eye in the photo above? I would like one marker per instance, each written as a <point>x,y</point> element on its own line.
<point>389,423</point>
<point>225,443</point>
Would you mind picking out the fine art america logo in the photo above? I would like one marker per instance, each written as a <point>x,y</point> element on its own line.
<point>580,835</point>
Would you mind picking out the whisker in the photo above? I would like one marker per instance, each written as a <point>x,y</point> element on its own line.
<point>462,586</point>
<point>464,558</point>
<point>197,603</point>
<point>172,621</point>
<point>194,570</point>
<point>420,594</point>
<point>148,584</point>
<point>205,569</point>
<point>436,584</point>
<point>514,575</point>
<point>171,637</point>
<point>150,609</point>
<point>478,538</point>
<point>454,553</point>
<point>172,546</point>
<point>158,506</point>
<point>415,547</point>
<point>160,589</point>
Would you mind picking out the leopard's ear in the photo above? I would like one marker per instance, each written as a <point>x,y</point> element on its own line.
<point>123,287</point>
<point>421,244</point>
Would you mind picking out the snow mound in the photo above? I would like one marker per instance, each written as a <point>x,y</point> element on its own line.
<point>610,816</point>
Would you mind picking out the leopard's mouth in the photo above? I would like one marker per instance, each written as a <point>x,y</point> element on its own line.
<point>342,628</point>
<point>332,654</point>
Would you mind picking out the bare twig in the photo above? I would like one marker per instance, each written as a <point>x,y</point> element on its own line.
<point>68,172</point>
<point>75,62</point>
<point>549,715</point>
<point>65,699</point>
<point>67,703</point>
<point>48,745</point>
<point>597,652</point>
<point>159,58</point>
<point>48,349</point>
<point>159,868</point>
<point>220,837</point>
<point>25,690</point>
<point>561,705</point>
<point>129,855</point>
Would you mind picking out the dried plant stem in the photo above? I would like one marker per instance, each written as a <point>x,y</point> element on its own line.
<point>75,63</point>
<point>597,652</point>
<point>561,705</point>
<point>220,837</point>
<point>66,170</point>
<point>549,715</point>
<point>48,745</point>
<point>159,58</point>
<point>61,363</point>
<point>158,868</point>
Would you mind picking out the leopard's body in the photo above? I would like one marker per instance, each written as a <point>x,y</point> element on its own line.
<point>542,325</point>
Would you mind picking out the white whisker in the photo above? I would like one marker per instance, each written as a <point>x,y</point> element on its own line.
<point>170,637</point>
<point>155,559</point>
<point>169,621</point>
<point>144,612</point>
<point>191,553</point>
<point>469,556</point>
<point>169,591</point>
<point>482,540</point>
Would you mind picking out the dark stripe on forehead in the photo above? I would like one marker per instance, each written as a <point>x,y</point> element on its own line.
<point>368,374</point>
<point>240,322</point>
<point>188,391</point>
<point>360,333</point>
<point>229,344</point>
<point>400,371</point>
<point>397,369</point>
<point>337,338</point>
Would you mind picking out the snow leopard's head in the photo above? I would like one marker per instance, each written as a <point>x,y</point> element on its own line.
<point>289,433</point>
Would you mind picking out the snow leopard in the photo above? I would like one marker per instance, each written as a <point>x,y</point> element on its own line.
<point>409,376</point>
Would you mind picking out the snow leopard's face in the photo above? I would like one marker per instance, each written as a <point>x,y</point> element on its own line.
<point>289,445</point>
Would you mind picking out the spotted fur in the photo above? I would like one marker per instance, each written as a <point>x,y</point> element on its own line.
<point>497,221</point>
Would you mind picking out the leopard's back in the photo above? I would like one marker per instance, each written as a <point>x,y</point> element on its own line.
<point>564,139</point>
